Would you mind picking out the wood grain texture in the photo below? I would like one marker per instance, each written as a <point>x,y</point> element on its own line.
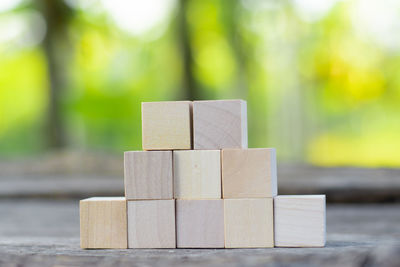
<point>197,174</point>
<point>151,224</point>
<point>249,173</point>
<point>103,222</point>
<point>220,124</point>
<point>167,125</point>
<point>300,221</point>
<point>200,223</point>
<point>148,175</point>
<point>249,223</point>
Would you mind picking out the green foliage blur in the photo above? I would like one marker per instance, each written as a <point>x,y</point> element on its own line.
<point>322,78</point>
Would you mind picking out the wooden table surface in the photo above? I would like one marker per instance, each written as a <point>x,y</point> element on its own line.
<point>46,233</point>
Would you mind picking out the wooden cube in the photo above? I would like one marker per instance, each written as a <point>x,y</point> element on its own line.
<point>249,223</point>
<point>166,125</point>
<point>300,221</point>
<point>220,124</point>
<point>151,224</point>
<point>148,175</point>
<point>103,222</point>
<point>200,223</point>
<point>249,173</point>
<point>197,174</point>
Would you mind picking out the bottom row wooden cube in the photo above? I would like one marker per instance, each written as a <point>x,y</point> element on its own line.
<point>215,223</point>
<point>249,223</point>
<point>300,221</point>
<point>151,224</point>
<point>103,222</point>
<point>200,223</point>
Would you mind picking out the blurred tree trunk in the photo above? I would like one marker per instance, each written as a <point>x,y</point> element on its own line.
<point>57,52</point>
<point>232,21</point>
<point>189,85</point>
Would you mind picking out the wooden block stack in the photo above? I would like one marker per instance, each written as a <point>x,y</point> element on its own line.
<point>197,185</point>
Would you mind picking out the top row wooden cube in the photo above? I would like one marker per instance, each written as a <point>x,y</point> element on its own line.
<point>175,125</point>
<point>166,125</point>
<point>220,124</point>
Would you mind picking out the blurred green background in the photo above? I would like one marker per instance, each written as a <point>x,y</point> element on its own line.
<point>322,78</point>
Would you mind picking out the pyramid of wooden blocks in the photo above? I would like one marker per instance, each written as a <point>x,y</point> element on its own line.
<point>197,185</point>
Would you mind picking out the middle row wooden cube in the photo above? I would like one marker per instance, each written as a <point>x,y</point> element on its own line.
<point>197,174</point>
<point>201,174</point>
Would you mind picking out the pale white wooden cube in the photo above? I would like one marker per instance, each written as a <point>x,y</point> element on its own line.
<point>300,221</point>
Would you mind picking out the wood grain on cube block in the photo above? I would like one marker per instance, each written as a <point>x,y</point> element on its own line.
<point>200,223</point>
<point>220,124</point>
<point>148,175</point>
<point>249,173</point>
<point>249,223</point>
<point>151,224</point>
<point>197,174</point>
<point>103,222</point>
<point>166,125</point>
<point>300,221</point>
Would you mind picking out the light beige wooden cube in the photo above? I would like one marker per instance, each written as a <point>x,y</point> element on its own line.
<point>200,223</point>
<point>249,173</point>
<point>103,222</point>
<point>197,174</point>
<point>151,224</point>
<point>249,223</point>
<point>300,221</point>
<point>166,125</point>
<point>220,124</point>
<point>148,175</point>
